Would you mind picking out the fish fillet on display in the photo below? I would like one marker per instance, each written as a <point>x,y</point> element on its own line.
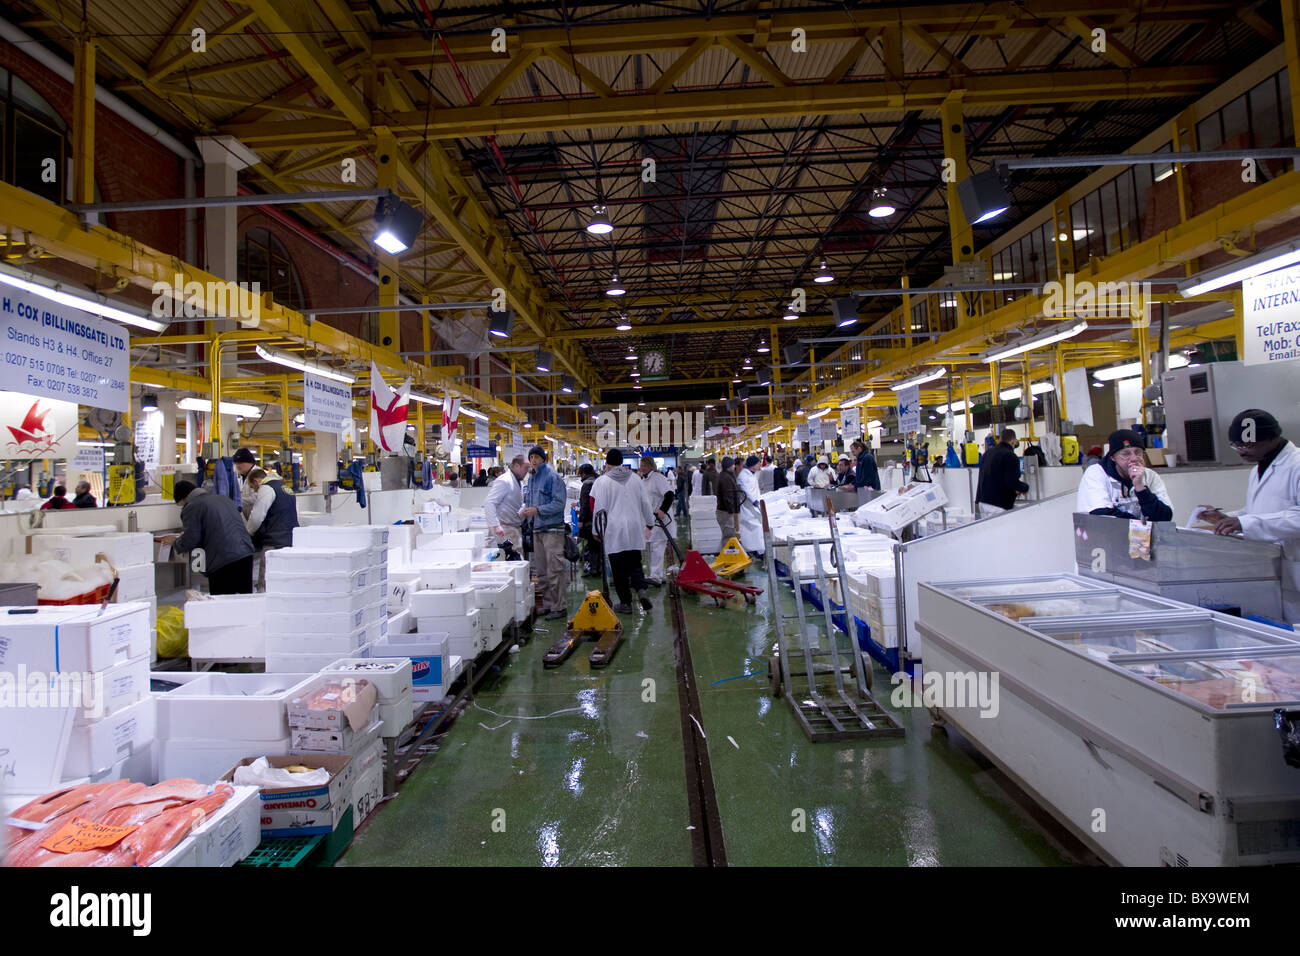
<point>58,802</point>
<point>178,788</point>
<point>133,814</point>
<point>156,838</point>
<point>31,853</point>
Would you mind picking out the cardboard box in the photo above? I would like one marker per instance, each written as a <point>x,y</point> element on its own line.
<point>231,706</point>
<point>97,745</point>
<point>304,560</point>
<point>74,638</point>
<point>367,791</point>
<point>304,811</point>
<point>331,703</point>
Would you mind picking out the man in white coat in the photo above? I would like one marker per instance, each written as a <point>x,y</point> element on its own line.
<point>659,497</point>
<point>697,480</point>
<point>505,498</point>
<point>1272,511</point>
<point>628,519</point>
<point>751,520</point>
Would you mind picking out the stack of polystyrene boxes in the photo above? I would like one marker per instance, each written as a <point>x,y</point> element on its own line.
<point>132,555</point>
<point>706,536</point>
<point>318,605</point>
<point>495,593</point>
<point>376,539</point>
<point>525,599</point>
<point>447,604</point>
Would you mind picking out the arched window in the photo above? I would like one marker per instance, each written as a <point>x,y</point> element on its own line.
<point>263,258</point>
<point>35,140</point>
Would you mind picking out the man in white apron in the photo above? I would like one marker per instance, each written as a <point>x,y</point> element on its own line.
<point>751,521</point>
<point>1272,511</point>
<point>658,491</point>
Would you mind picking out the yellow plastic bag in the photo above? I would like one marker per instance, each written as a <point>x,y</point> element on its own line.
<point>173,638</point>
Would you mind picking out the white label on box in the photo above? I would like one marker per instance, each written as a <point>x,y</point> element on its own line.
<point>119,637</point>
<point>361,580</point>
<point>124,732</point>
<point>122,685</point>
<point>359,619</point>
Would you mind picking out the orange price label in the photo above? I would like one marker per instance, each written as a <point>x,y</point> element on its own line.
<point>79,835</point>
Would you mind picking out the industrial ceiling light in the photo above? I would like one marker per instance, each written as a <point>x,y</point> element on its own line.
<point>796,353</point>
<point>861,399</point>
<point>425,399</point>
<point>919,379</point>
<point>637,387</point>
<point>396,224</point>
<point>820,413</point>
<point>880,206</point>
<point>1056,333</point>
<point>303,365</point>
<point>743,393</point>
<point>227,408</point>
<point>762,346</point>
<point>790,315</point>
<point>500,323</point>
<point>472,413</point>
<point>1038,388</point>
<point>623,324</point>
<point>983,196</point>
<point>615,287</point>
<point>1132,369</point>
<point>635,374</point>
<point>736,380</point>
<point>148,402</point>
<point>763,375</point>
<point>599,224</point>
<point>845,311</point>
<point>631,357</point>
<point>544,360</point>
<point>824,275</point>
<point>51,293</point>
<point>566,383</point>
<point>1230,273</point>
<point>584,400</point>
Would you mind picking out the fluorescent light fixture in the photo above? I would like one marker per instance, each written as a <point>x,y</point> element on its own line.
<point>919,379</point>
<point>875,423</point>
<point>634,373</point>
<point>637,387</point>
<point>615,287</point>
<point>473,413</point>
<point>1230,273</point>
<point>1131,369</point>
<point>954,407</point>
<point>304,365</point>
<point>396,225</point>
<point>983,197</point>
<point>1003,276</point>
<point>102,309</point>
<point>1056,333</point>
<point>500,323</point>
<point>566,383</point>
<point>599,224</point>
<point>772,431</point>
<point>1165,174</point>
<point>227,408</point>
<point>861,399</point>
<point>824,274</point>
<point>820,413</point>
<point>1077,232</point>
<point>880,206</point>
<point>629,358</point>
<point>544,361</point>
<point>102,444</point>
<point>425,399</point>
<point>1038,388</point>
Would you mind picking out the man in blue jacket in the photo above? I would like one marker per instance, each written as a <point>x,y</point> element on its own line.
<point>865,472</point>
<point>544,505</point>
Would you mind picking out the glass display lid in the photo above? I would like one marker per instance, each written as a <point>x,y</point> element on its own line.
<point>1199,633</point>
<point>1224,683</point>
<point>1044,584</point>
<point>1084,604</point>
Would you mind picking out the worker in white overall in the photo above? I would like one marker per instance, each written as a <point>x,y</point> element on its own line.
<point>1272,511</point>
<point>751,520</point>
<point>659,495</point>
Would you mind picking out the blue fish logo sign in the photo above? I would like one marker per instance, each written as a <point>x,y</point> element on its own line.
<point>419,670</point>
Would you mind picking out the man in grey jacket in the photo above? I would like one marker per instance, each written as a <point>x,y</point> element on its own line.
<point>214,523</point>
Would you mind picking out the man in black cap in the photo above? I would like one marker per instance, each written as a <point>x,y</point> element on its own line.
<point>1121,485</point>
<point>728,508</point>
<point>215,524</point>
<point>1272,511</point>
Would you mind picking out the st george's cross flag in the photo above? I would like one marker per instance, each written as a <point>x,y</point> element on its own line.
<point>387,411</point>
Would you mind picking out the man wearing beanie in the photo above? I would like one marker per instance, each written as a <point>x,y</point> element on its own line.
<point>751,521</point>
<point>1272,511</point>
<point>1000,481</point>
<point>628,520</point>
<point>728,508</point>
<point>215,524</point>
<point>1121,485</point>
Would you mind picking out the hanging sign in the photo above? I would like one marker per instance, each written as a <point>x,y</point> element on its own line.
<point>800,433</point>
<point>59,352</point>
<point>909,409</point>
<point>148,438</point>
<point>32,427</point>
<point>1271,317</point>
<point>480,433</point>
<point>326,404</point>
<point>87,460</point>
<point>851,423</point>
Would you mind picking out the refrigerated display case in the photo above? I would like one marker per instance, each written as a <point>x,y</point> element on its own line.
<point>1144,725</point>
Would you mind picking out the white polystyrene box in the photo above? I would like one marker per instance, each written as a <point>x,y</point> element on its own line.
<point>278,663</point>
<point>281,581</point>
<point>73,638</point>
<point>466,647</point>
<point>391,676</point>
<point>462,625</point>
<point>99,744</point>
<point>334,624</point>
<point>123,548</point>
<point>344,602</point>
<point>233,706</point>
<point>135,583</point>
<point>401,623</point>
<point>240,641</point>
<point>341,536</point>
<point>305,560</point>
<point>452,541</point>
<point>206,759</point>
<point>225,611</point>
<point>118,687</point>
<point>438,574</point>
<point>447,602</point>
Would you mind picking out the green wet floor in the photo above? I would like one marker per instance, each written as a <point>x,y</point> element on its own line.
<point>599,778</point>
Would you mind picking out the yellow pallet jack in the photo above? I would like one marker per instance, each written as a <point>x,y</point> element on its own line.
<point>732,559</point>
<point>594,621</point>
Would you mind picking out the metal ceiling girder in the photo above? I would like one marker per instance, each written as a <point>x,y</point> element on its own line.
<point>925,92</point>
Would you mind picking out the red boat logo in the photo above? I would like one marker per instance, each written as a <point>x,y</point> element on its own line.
<point>33,436</point>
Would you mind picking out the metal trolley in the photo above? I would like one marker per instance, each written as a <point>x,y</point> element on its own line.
<point>830,697</point>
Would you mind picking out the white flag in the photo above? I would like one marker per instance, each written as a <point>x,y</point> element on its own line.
<point>387,411</point>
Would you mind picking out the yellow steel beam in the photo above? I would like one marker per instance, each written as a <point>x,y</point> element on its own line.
<point>1113,50</point>
<point>954,149</point>
<point>180,28</point>
<point>227,30</point>
<point>508,74</point>
<point>747,55</point>
<point>925,92</point>
<point>588,77</point>
<point>219,96</point>
<point>83,122</point>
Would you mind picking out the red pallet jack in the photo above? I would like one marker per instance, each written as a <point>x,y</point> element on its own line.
<point>696,575</point>
<point>594,621</point>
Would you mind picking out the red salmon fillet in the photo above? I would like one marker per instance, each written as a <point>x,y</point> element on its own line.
<point>135,813</point>
<point>31,853</point>
<point>178,788</point>
<point>58,802</point>
<point>156,838</point>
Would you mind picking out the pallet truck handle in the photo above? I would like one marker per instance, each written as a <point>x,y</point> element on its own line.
<point>762,507</point>
<point>671,540</point>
